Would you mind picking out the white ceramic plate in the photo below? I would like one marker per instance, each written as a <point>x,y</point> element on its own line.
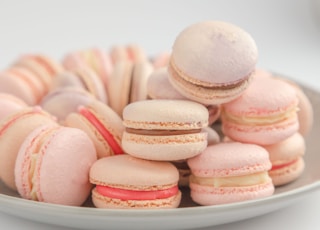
<point>188,216</point>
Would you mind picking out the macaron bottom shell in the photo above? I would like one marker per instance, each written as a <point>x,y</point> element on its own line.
<point>101,201</point>
<point>288,173</point>
<point>164,148</point>
<point>209,195</point>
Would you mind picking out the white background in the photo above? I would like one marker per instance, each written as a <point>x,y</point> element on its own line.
<point>287,33</point>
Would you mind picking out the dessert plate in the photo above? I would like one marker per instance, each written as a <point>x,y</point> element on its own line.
<point>188,215</point>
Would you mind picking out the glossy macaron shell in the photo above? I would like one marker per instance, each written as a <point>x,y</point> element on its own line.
<point>102,124</point>
<point>125,172</point>
<point>264,114</point>
<point>13,131</point>
<point>58,160</point>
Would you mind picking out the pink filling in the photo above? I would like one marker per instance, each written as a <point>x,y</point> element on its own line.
<point>116,148</point>
<point>124,194</point>
<point>275,167</point>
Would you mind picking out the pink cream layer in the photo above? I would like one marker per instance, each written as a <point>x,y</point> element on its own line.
<point>124,194</point>
<point>102,130</point>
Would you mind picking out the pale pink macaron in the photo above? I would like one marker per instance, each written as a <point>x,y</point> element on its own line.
<point>159,87</point>
<point>128,83</point>
<point>63,101</point>
<point>161,60</point>
<point>264,114</point>
<point>43,66</point>
<point>95,58</point>
<point>13,131</point>
<point>230,172</point>
<point>23,84</point>
<point>126,182</point>
<point>212,61</point>
<point>102,124</point>
<point>10,104</point>
<point>53,166</point>
<point>130,52</point>
<point>164,130</point>
<point>84,78</point>
<point>287,159</point>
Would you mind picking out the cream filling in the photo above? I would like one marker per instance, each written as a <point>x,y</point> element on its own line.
<point>270,119</point>
<point>235,181</point>
<point>32,177</point>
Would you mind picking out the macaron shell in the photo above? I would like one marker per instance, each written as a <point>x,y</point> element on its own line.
<point>223,53</point>
<point>61,102</point>
<point>120,81</point>
<point>18,88</point>
<point>287,174</point>
<point>206,195</point>
<point>165,115</point>
<point>60,178</point>
<point>164,148</point>
<point>105,202</point>
<point>159,86</point>
<point>10,104</point>
<point>109,119</point>
<point>127,171</point>
<point>230,159</point>
<point>12,138</point>
<point>140,75</point>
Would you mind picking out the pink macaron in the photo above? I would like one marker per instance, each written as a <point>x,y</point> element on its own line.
<point>264,114</point>
<point>126,182</point>
<point>102,124</point>
<point>94,58</point>
<point>212,62</point>
<point>53,165</point>
<point>287,159</point>
<point>10,104</point>
<point>131,52</point>
<point>13,131</point>
<point>230,172</point>
<point>65,100</point>
<point>164,130</point>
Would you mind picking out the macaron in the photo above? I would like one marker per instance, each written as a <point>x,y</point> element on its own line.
<point>63,101</point>
<point>95,58</point>
<point>102,124</point>
<point>287,159</point>
<point>182,165</point>
<point>159,87</point>
<point>164,130</point>
<point>10,104</point>
<point>230,172</point>
<point>43,66</point>
<point>84,78</point>
<point>126,182</point>
<point>13,131</point>
<point>130,52</point>
<point>215,69</point>
<point>23,84</point>
<point>161,60</point>
<point>264,114</point>
<point>131,80</point>
<point>53,165</point>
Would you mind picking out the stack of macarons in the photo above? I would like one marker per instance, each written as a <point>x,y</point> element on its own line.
<point>141,129</point>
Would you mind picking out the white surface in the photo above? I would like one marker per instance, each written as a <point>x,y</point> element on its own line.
<point>287,34</point>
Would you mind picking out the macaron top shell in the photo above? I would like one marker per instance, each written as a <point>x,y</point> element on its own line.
<point>222,54</point>
<point>165,114</point>
<point>230,159</point>
<point>265,97</point>
<point>134,173</point>
<point>287,150</point>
